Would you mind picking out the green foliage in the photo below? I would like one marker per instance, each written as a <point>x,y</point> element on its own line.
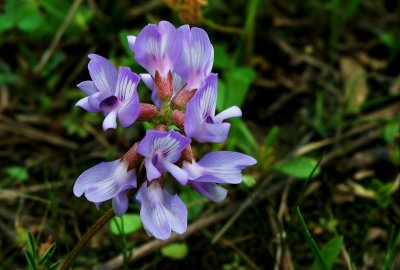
<point>176,251</point>
<point>194,202</point>
<point>249,180</point>
<point>127,224</point>
<point>241,137</point>
<point>391,131</point>
<point>382,192</point>
<point>17,173</point>
<point>330,251</point>
<point>300,168</point>
<point>319,258</point>
<point>35,261</point>
<point>393,236</point>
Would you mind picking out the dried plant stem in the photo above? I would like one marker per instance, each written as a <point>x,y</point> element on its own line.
<point>86,237</point>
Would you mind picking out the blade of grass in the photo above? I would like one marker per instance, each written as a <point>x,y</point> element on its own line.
<point>394,234</point>
<point>311,242</point>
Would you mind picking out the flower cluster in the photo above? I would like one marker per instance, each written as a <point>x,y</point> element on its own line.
<point>184,91</point>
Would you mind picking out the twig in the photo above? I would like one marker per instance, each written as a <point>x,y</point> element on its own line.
<point>86,237</point>
<point>54,43</point>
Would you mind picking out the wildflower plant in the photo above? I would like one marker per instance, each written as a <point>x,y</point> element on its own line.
<point>184,92</point>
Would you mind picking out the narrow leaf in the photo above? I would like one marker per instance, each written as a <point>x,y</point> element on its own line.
<point>330,252</point>
<point>47,255</point>
<point>300,168</point>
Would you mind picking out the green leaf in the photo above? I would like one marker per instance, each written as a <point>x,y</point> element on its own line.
<point>222,92</point>
<point>191,198</point>
<point>240,136</point>
<point>271,137</point>
<point>176,251</point>
<point>330,252</point>
<point>32,245</point>
<point>221,59</point>
<point>391,131</point>
<point>238,83</point>
<point>47,255</point>
<point>6,22</point>
<point>393,236</point>
<point>17,173</point>
<point>31,261</point>
<point>30,18</point>
<point>311,242</point>
<point>249,180</point>
<point>54,266</point>
<point>300,168</point>
<point>129,222</point>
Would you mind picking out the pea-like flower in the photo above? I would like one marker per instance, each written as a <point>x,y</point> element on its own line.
<point>224,167</point>
<point>160,211</point>
<point>161,150</point>
<point>105,181</point>
<point>201,123</point>
<point>111,92</point>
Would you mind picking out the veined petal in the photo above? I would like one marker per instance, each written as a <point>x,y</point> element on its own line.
<point>87,87</point>
<point>126,92</point>
<point>91,176</point>
<point>156,48</point>
<point>103,73</point>
<point>110,121</point>
<point>160,211</point>
<point>167,145</point>
<point>197,57</point>
<point>211,191</point>
<point>215,133</point>
<point>126,84</point>
<point>227,158</point>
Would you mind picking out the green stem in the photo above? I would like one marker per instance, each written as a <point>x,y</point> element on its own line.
<point>86,237</point>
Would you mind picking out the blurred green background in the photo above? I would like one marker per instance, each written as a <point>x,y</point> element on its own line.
<point>319,85</point>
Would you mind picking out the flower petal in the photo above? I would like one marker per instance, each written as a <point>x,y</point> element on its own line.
<point>110,121</point>
<point>178,173</point>
<point>233,111</point>
<point>211,191</point>
<point>128,96</point>
<point>197,57</point>
<point>103,73</point>
<point>160,211</point>
<point>84,103</point>
<point>120,203</point>
<point>156,48</point>
<point>87,87</point>
<point>91,176</point>
<point>131,42</point>
<point>151,171</point>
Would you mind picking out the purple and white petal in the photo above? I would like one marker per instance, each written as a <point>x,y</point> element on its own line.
<point>197,57</point>
<point>110,121</point>
<point>107,180</point>
<point>160,211</point>
<point>161,150</point>
<point>120,203</point>
<point>131,42</point>
<point>157,48</point>
<point>87,87</point>
<point>127,95</point>
<point>85,103</point>
<point>103,73</point>
<point>219,167</point>
<point>200,120</point>
<point>211,191</point>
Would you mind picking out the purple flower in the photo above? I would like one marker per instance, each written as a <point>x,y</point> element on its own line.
<point>156,48</point>
<point>201,123</point>
<point>161,150</point>
<point>196,60</point>
<point>111,92</point>
<point>177,84</point>
<point>107,180</point>
<point>160,211</point>
<point>214,168</point>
